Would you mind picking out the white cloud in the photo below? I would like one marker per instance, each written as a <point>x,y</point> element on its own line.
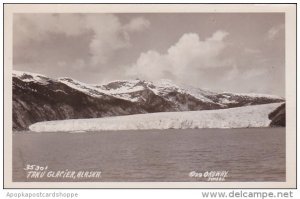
<point>188,56</point>
<point>231,74</point>
<point>37,27</point>
<point>137,24</point>
<point>108,33</point>
<point>274,31</point>
<point>108,37</point>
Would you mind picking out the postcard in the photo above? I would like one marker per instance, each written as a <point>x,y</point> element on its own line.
<point>150,95</point>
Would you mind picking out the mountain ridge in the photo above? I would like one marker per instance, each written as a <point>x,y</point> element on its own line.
<point>40,98</point>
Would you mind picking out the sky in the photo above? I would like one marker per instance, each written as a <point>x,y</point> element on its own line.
<point>232,52</point>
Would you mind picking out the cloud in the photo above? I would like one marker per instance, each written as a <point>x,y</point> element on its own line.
<point>37,27</point>
<point>275,31</point>
<point>137,24</point>
<point>189,55</point>
<point>110,35</point>
<point>231,74</point>
<point>107,32</point>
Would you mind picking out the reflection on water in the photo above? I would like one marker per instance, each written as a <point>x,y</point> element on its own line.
<point>256,154</point>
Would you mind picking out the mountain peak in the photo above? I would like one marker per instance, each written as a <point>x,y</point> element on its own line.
<point>123,89</point>
<point>66,98</point>
<point>30,77</point>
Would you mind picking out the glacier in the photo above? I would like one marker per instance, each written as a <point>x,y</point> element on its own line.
<point>241,117</point>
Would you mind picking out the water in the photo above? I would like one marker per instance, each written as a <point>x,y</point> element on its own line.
<point>256,154</point>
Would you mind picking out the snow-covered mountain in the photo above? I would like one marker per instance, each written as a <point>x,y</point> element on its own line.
<point>241,117</point>
<point>39,98</point>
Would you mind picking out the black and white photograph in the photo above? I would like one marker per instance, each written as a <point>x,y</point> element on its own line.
<point>151,96</point>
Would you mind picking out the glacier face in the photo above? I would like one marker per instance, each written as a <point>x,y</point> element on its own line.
<point>241,117</point>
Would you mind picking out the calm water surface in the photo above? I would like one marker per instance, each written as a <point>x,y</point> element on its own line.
<point>256,154</point>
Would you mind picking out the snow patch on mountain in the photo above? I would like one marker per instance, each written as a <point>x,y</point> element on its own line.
<point>257,95</point>
<point>119,86</point>
<point>242,117</point>
<point>165,86</point>
<point>126,89</point>
<point>31,77</point>
<point>131,90</point>
<point>227,101</point>
<point>85,88</point>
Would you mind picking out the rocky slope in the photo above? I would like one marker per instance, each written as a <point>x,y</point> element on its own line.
<point>39,98</point>
<point>277,116</point>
